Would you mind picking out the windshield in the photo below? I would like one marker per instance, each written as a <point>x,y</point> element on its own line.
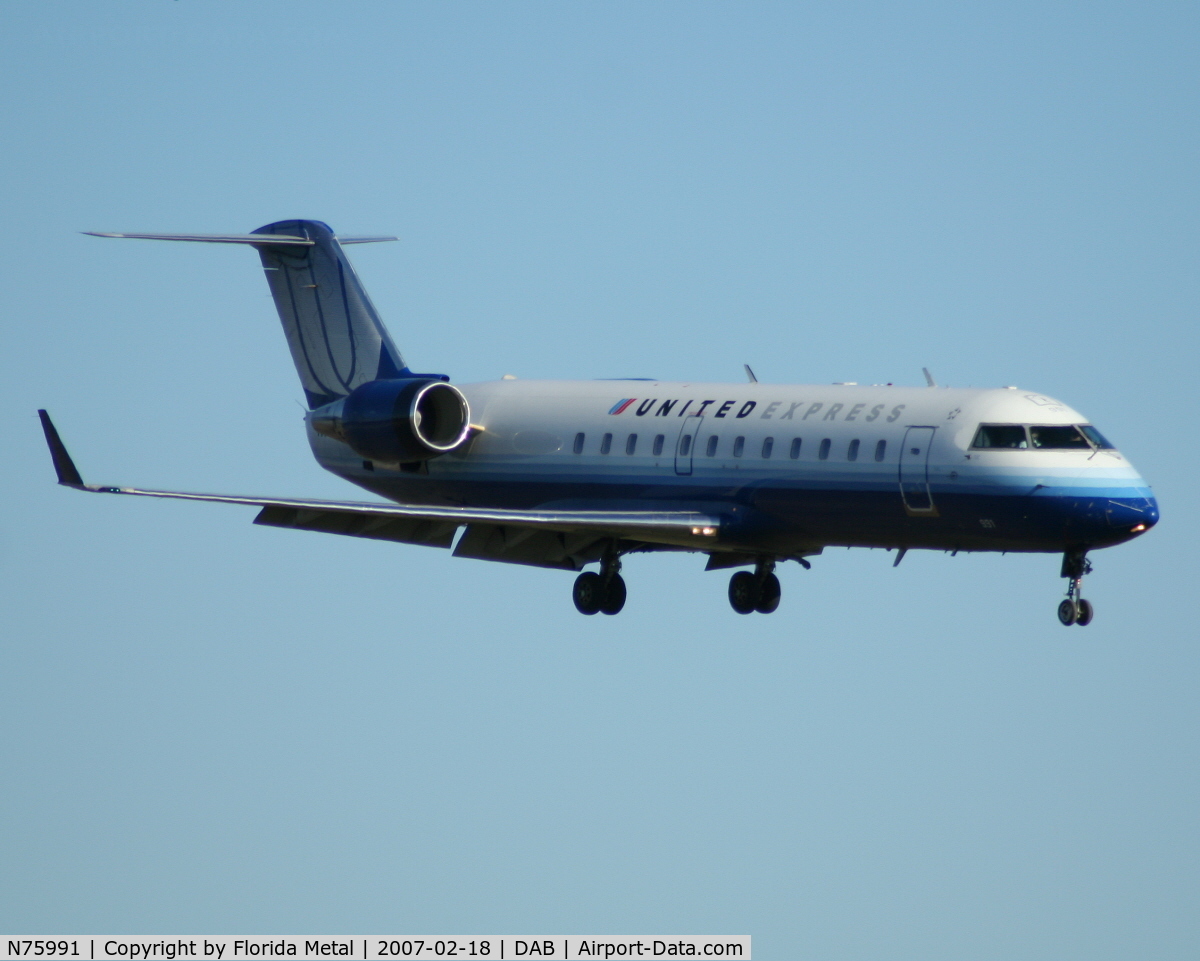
<point>1096,437</point>
<point>1058,438</point>
<point>1005,436</point>
<point>1039,437</point>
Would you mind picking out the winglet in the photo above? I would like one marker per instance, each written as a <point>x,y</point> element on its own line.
<point>68,473</point>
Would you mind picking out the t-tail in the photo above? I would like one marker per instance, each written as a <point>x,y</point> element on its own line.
<point>359,390</point>
<point>335,335</point>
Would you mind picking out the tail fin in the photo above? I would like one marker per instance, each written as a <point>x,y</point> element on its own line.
<point>337,339</point>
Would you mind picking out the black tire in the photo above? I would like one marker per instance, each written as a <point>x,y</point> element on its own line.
<point>588,593</point>
<point>768,598</point>
<point>743,592</point>
<point>614,599</point>
<point>1067,613</point>
<point>1084,617</point>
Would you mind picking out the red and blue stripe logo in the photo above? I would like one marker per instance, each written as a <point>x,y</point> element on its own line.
<point>622,404</point>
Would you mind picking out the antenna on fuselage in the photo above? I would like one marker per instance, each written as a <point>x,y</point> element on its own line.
<point>750,374</point>
<point>928,377</point>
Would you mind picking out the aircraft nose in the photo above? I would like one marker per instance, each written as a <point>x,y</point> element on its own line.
<point>1134,514</point>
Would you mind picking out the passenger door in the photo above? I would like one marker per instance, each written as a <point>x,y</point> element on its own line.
<point>685,445</point>
<point>914,471</point>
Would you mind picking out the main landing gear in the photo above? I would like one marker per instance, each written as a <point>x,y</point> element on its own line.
<point>1075,610</point>
<point>602,593</point>
<point>759,591</point>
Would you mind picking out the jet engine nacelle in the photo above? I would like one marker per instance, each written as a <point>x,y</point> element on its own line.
<point>398,421</point>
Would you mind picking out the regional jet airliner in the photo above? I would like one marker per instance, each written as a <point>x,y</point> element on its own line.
<point>564,474</point>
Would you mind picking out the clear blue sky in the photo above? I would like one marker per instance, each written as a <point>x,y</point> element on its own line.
<point>212,727</point>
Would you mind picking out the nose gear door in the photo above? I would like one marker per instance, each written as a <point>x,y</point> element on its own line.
<point>685,446</point>
<point>914,472</point>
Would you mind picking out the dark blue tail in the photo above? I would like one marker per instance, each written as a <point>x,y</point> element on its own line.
<point>337,339</point>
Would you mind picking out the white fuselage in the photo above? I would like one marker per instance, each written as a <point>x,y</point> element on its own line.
<point>843,463</point>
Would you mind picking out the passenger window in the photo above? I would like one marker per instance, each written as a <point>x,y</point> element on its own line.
<point>658,444</point>
<point>1096,437</point>
<point>739,444</point>
<point>606,444</point>
<point>795,451</point>
<point>1000,437</point>
<point>852,450</point>
<point>712,446</point>
<point>631,444</point>
<point>578,443</point>
<point>685,445</point>
<point>880,450</point>
<point>768,446</point>
<point>1058,438</point>
<point>823,453</point>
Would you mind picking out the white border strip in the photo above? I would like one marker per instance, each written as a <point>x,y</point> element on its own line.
<point>500,947</point>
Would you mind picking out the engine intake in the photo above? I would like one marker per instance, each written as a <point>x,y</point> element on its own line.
<point>398,421</point>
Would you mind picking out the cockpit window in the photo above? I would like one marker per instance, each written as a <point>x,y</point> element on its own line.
<point>1047,437</point>
<point>1059,438</point>
<point>1003,436</point>
<point>1096,437</point>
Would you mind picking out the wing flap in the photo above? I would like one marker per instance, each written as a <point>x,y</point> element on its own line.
<point>537,548</point>
<point>426,533</point>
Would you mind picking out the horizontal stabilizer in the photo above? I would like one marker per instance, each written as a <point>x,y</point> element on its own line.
<point>240,238</point>
<point>214,238</point>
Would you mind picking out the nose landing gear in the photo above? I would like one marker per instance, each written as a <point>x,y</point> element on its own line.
<point>759,591</point>
<point>602,593</point>
<point>1075,610</point>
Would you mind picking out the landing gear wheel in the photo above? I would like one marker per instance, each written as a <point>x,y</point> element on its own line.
<point>588,593</point>
<point>743,592</point>
<point>769,595</point>
<point>1075,610</point>
<point>614,598</point>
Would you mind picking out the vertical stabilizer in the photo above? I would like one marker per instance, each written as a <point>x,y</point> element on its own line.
<point>336,337</point>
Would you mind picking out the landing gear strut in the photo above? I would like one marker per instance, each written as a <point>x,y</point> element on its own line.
<point>602,593</point>
<point>759,591</point>
<point>1075,610</point>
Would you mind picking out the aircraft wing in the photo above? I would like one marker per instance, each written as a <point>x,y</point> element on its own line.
<point>544,538</point>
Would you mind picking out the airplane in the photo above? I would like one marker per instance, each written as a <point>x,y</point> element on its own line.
<point>566,474</point>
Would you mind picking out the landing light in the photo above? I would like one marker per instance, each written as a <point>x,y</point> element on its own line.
<point>704,531</point>
<point>1137,528</point>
